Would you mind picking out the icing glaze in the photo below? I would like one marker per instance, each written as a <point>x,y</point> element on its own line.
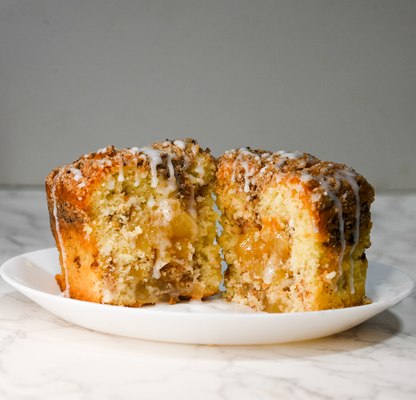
<point>324,184</point>
<point>348,176</point>
<point>155,158</point>
<point>180,143</point>
<point>57,228</point>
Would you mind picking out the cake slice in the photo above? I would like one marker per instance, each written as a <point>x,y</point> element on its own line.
<point>295,230</point>
<point>136,226</point>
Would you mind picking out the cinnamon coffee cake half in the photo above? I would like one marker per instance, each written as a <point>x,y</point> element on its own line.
<point>295,230</point>
<point>136,226</point>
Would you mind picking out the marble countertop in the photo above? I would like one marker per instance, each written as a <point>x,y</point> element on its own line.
<point>44,357</point>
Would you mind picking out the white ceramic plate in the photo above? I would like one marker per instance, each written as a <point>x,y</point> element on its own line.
<point>209,322</point>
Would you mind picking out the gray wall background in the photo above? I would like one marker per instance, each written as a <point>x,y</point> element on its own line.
<point>333,78</point>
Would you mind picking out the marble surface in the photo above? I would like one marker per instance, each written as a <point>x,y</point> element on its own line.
<point>44,357</point>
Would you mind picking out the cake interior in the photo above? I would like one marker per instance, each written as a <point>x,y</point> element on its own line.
<point>282,265</point>
<point>144,243</point>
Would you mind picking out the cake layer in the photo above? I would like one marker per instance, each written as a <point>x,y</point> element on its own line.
<point>295,230</point>
<point>136,226</point>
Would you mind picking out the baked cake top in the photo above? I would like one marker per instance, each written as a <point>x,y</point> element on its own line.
<point>178,162</point>
<point>253,171</point>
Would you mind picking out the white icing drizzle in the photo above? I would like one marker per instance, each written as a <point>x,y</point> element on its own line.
<point>134,151</point>
<point>103,150</point>
<point>180,143</point>
<point>77,173</point>
<point>200,169</point>
<point>315,226</point>
<point>247,175</point>
<point>324,183</point>
<point>155,159</point>
<point>331,275</point>
<point>121,171</point>
<point>172,181</point>
<point>288,156</point>
<point>348,176</point>
<point>55,214</point>
<point>246,151</point>
<point>246,165</point>
<point>77,176</point>
<point>136,178</point>
<point>192,210</point>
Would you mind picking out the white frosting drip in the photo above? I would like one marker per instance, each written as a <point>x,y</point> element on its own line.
<point>136,180</point>
<point>155,159</point>
<point>315,226</point>
<point>77,176</point>
<point>324,183</point>
<point>288,156</point>
<point>103,150</point>
<point>192,209</point>
<point>246,165</point>
<point>172,181</point>
<point>331,275</point>
<point>180,143</point>
<point>133,150</point>
<point>77,173</point>
<point>348,176</point>
<point>306,178</point>
<point>121,171</point>
<point>55,214</point>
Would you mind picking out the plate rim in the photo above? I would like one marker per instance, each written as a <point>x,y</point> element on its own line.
<point>5,273</point>
<point>201,328</point>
